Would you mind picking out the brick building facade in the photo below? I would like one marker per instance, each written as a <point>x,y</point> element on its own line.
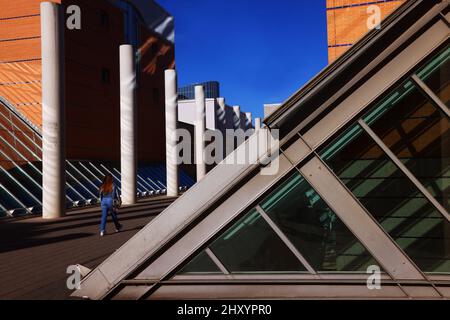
<point>91,75</point>
<point>347,22</point>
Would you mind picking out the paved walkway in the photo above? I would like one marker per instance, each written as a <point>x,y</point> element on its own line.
<point>35,253</point>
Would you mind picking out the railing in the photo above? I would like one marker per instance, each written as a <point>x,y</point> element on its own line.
<point>22,185</point>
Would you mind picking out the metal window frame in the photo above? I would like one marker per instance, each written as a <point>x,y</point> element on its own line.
<point>110,172</point>
<point>21,186</point>
<point>300,290</point>
<point>184,212</point>
<point>13,110</point>
<point>108,275</point>
<point>145,183</point>
<point>15,199</point>
<point>38,147</point>
<point>29,162</point>
<point>3,154</point>
<point>157,189</point>
<point>3,209</point>
<point>94,196</point>
<point>350,211</point>
<point>430,94</point>
<point>216,260</point>
<point>21,156</point>
<point>70,167</point>
<point>367,106</point>
<point>369,92</point>
<point>101,173</point>
<point>89,171</point>
<point>341,276</point>
<point>445,19</point>
<point>268,289</point>
<point>396,253</point>
<point>224,215</point>
<point>34,154</point>
<point>138,184</point>
<point>404,169</point>
<point>318,81</point>
<point>289,245</point>
<point>84,176</point>
<point>150,182</point>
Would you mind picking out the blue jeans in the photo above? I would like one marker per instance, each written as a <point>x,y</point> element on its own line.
<point>107,207</point>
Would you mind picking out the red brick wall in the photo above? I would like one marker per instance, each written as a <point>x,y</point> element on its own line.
<point>17,8</point>
<point>20,46</point>
<point>92,105</point>
<point>346,25</point>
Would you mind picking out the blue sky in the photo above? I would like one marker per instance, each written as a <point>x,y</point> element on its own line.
<point>260,51</point>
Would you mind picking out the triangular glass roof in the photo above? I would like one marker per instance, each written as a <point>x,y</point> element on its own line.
<point>352,194</point>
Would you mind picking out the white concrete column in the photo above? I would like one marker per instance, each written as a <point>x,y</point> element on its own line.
<point>200,128</point>
<point>257,124</point>
<point>222,116</point>
<point>248,120</point>
<point>237,117</point>
<point>171,132</point>
<point>128,132</point>
<point>53,109</point>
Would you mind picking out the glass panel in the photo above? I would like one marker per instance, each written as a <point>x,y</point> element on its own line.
<point>202,263</point>
<point>18,190</point>
<point>26,180</point>
<point>315,230</point>
<point>82,178</point>
<point>391,198</point>
<point>250,245</point>
<point>418,133</point>
<point>436,75</point>
<point>7,201</point>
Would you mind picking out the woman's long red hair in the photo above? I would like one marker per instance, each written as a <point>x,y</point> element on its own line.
<point>107,184</point>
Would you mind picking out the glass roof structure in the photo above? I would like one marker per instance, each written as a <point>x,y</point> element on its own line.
<point>21,170</point>
<point>363,183</point>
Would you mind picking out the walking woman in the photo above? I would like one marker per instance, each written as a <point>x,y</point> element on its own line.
<point>108,194</point>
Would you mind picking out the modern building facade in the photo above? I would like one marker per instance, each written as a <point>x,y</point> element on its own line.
<point>212,90</point>
<point>222,121</point>
<point>91,59</point>
<point>92,98</point>
<point>362,184</point>
<point>216,117</point>
<point>347,21</point>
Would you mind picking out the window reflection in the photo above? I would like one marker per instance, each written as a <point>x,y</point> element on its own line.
<point>418,133</point>
<point>250,245</point>
<point>436,75</point>
<point>391,198</point>
<point>314,229</point>
<point>200,264</point>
